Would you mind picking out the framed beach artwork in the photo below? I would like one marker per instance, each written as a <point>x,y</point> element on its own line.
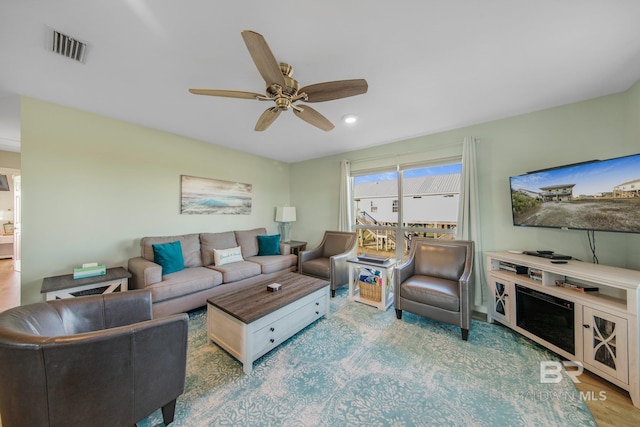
<point>206,196</point>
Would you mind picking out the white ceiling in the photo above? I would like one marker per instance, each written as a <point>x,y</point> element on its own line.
<point>431,65</point>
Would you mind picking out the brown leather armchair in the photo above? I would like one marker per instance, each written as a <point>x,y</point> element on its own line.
<point>329,260</point>
<point>436,282</point>
<point>97,360</point>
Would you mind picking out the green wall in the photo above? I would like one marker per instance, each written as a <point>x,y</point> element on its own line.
<point>596,129</point>
<point>9,159</point>
<point>93,186</point>
<point>632,118</point>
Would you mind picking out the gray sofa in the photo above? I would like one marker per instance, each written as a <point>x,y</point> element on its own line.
<point>200,279</point>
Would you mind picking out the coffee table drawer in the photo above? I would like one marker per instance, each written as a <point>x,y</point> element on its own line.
<point>275,333</point>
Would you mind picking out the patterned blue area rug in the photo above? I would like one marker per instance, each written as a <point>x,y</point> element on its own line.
<point>361,366</point>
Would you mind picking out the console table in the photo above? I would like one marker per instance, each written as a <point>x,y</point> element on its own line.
<point>65,286</point>
<point>606,323</point>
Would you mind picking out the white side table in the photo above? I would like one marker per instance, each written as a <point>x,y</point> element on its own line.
<point>386,273</point>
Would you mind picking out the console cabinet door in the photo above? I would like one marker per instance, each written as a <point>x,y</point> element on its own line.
<point>502,299</point>
<point>605,343</point>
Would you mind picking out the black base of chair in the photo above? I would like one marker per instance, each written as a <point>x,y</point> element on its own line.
<point>168,411</point>
<point>398,314</point>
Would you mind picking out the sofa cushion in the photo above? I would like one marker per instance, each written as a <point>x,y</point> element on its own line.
<point>184,282</point>
<point>272,263</point>
<point>169,256</point>
<point>227,256</point>
<point>248,241</point>
<point>211,241</point>
<point>190,248</point>
<point>237,270</point>
<point>268,245</point>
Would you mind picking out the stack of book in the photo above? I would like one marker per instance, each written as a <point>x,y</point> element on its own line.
<point>535,274</point>
<point>577,288</point>
<point>518,269</point>
<point>89,271</point>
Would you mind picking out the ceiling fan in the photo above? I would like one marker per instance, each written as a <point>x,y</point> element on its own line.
<point>283,90</point>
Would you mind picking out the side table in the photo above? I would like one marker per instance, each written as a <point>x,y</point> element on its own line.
<point>385,271</point>
<point>297,247</point>
<point>65,286</point>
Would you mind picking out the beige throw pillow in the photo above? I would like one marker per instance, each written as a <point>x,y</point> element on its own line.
<point>227,256</point>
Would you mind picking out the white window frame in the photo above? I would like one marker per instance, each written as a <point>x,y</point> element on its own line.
<point>400,229</point>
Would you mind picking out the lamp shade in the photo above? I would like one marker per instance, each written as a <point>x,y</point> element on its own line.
<point>286,214</point>
<point>8,215</point>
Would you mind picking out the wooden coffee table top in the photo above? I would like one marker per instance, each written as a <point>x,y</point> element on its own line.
<point>251,303</point>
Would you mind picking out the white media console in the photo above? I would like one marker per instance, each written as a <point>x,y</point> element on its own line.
<point>605,330</point>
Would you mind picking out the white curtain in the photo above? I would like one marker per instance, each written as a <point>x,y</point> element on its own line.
<point>344,216</point>
<point>468,227</point>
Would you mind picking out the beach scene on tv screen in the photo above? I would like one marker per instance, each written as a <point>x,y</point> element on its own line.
<point>600,195</point>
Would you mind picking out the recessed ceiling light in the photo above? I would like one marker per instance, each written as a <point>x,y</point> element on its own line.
<point>350,118</point>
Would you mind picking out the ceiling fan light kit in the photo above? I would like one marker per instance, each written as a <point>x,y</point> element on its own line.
<point>283,89</point>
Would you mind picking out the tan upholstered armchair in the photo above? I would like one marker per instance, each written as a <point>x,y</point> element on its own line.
<point>87,361</point>
<point>436,282</point>
<point>329,260</point>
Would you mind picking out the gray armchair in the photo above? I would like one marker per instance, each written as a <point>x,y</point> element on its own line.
<point>329,260</point>
<point>436,282</point>
<point>97,360</point>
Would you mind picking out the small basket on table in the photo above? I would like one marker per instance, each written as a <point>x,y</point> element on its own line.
<point>370,284</point>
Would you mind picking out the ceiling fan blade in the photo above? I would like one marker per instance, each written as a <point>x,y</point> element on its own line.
<point>311,116</point>
<point>227,93</point>
<point>263,58</point>
<point>268,117</point>
<point>335,90</point>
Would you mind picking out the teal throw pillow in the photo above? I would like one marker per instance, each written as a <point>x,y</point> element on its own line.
<point>269,245</point>
<point>169,256</point>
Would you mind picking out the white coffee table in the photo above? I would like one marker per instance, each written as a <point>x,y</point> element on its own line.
<point>250,322</point>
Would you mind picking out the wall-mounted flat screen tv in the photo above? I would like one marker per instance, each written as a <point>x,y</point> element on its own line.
<point>600,195</point>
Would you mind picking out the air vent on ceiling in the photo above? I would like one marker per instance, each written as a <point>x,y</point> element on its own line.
<point>69,47</point>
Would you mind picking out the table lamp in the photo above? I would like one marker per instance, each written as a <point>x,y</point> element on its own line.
<point>285,215</point>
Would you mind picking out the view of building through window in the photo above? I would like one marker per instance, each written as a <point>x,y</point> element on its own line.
<point>392,207</point>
